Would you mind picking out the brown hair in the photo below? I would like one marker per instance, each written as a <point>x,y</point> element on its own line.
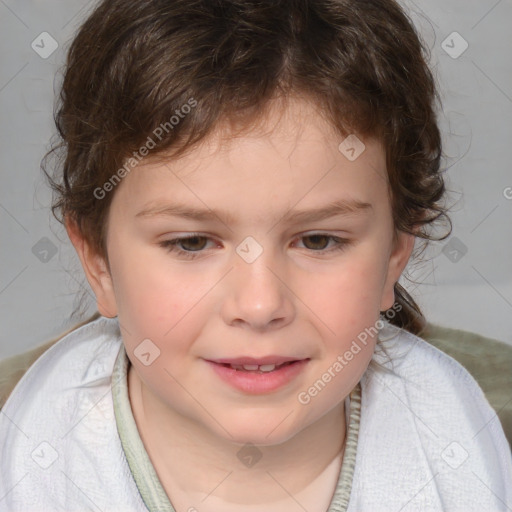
<point>134,65</point>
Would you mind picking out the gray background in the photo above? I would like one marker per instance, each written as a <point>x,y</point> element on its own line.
<point>463,282</point>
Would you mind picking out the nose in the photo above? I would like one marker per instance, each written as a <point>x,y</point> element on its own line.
<point>258,295</point>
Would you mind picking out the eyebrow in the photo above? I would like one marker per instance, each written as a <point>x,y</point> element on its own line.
<point>336,208</point>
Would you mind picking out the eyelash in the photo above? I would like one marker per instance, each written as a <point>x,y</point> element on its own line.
<point>172,245</point>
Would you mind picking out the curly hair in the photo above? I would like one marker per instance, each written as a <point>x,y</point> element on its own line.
<point>134,65</point>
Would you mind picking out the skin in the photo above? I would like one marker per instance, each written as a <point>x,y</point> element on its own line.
<point>292,300</point>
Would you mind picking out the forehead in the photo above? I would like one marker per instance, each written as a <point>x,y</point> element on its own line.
<point>292,155</point>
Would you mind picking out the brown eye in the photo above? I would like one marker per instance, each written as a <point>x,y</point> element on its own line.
<point>186,247</point>
<point>192,243</point>
<point>319,242</point>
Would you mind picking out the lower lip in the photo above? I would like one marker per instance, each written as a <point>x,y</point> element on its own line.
<point>259,382</point>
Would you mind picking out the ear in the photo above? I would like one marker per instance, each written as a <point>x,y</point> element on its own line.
<point>401,252</point>
<point>96,270</point>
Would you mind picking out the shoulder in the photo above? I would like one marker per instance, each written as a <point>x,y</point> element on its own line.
<point>419,362</point>
<point>82,356</point>
<point>79,359</point>
<point>427,417</point>
<point>59,419</point>
<point>431,380</point>
<point>22,370</point>
<point>54,394</point>
<point>13,368</point>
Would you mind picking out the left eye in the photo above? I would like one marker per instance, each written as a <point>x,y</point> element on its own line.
<point>320,239</point>
<point>172,245</point>
<point>196,243</point>
<point>191,241</point>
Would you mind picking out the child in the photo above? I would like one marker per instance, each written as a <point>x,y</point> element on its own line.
<point>238,363</point>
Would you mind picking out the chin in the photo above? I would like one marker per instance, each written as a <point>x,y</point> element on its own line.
<point>252,430</point>
<point>260,438</point>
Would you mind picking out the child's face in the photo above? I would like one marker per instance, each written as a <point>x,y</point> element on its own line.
<point>292,300</point>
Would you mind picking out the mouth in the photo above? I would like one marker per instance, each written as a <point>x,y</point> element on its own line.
<point>257,368</point>
<point>257,376</point>
<point>264,364</point>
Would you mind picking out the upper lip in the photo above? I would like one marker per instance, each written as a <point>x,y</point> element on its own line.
<point>255,360</point>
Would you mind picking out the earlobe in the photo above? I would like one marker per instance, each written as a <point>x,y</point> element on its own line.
<point>398,260</point>
<point>96,270</point>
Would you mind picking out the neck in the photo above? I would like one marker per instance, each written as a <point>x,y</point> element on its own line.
<point>193,463</point>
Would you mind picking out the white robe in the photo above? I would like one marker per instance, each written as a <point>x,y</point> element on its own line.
<point>428,438</point>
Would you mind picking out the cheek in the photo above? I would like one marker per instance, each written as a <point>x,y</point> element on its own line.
<point>346,306</point>
<point>155,300</point>
<point>162,307</point>
<point>348,297</point>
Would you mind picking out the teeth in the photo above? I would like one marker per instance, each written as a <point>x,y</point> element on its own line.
<point>250,366</point>
<point>254,367</point>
